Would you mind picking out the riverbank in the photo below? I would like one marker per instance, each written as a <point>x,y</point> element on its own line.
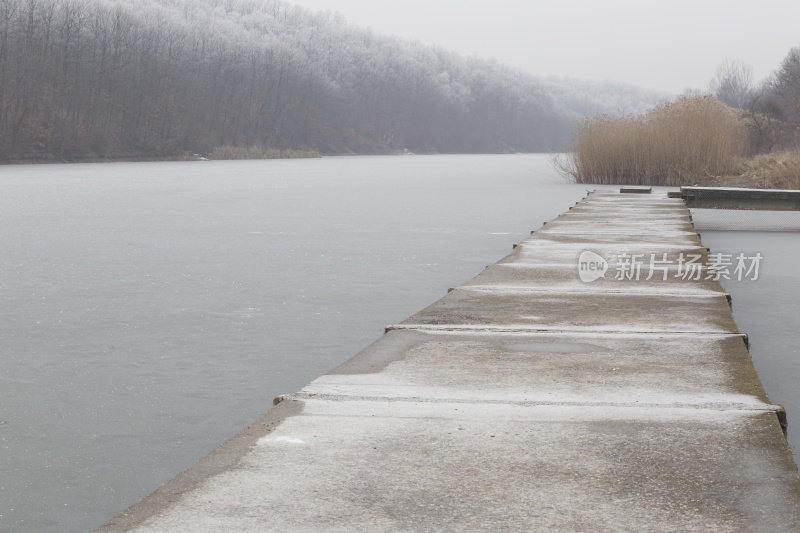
<point>223,153</point>
<point>242,154</point>
<point>777,170</point>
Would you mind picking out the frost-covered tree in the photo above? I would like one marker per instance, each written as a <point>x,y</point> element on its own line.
<point>114,78</point>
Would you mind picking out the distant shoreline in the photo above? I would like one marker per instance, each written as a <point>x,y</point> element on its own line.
<point>201,158</point>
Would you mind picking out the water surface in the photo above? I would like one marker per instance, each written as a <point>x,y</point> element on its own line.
<point>768,310</point>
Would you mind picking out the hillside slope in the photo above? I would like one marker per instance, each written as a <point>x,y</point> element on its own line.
<point>157,78</point>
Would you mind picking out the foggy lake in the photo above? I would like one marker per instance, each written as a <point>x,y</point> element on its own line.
<point>152,310</point>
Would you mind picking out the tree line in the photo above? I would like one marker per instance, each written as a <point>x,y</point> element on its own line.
<point>159,78</point>
<point>771,109</point>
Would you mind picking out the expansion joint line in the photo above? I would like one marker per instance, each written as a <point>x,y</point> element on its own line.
<point>469,328</point>
<point>713,406</point>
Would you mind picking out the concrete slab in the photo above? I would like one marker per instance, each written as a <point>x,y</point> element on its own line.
<point>589,237</point>
<point>633,206</point>
<point>423,466</point>
<point>504,310</point>
<point>738,198</point>
<point>636,189</point>
<point>563,278</point>
<point>564,250</point>
<point>632,223</point>
<point>547,368</point>
<point>673,223</point>
<point>653,202</point>
<point>659,197</point>
<point>632,210</point>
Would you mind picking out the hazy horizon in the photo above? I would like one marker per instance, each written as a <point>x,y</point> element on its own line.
<point>669,47</point>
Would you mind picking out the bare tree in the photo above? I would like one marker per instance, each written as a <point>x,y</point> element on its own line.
<point>733,83</point>
<point>787,93</point>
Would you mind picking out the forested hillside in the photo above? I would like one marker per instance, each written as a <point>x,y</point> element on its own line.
<point>83,79</point>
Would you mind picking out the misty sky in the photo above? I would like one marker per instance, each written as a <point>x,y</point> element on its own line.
<point>670,46</point>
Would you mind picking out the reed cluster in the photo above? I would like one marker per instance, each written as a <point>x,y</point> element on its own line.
<point>678,143</point>
<point>259,152</point>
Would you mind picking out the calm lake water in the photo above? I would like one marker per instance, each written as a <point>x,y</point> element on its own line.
<point>152,310</point>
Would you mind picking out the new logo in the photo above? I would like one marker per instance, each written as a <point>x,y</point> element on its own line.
<point>591,266</point>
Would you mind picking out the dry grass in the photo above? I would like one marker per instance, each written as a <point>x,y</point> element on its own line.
<point>259,152</point>
<point>776,170</point>
<point>679,143</point>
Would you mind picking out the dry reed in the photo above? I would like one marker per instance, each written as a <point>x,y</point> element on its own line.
<point>258,152</point>
<point>679,143</point>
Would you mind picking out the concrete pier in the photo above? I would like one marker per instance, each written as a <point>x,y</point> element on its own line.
<point>591,380</point>
<point>739,198</point>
